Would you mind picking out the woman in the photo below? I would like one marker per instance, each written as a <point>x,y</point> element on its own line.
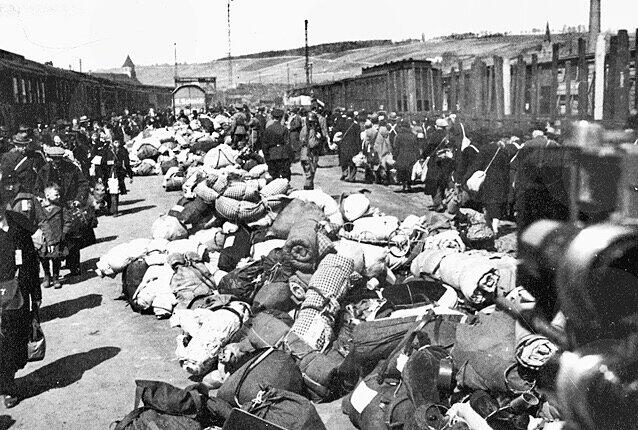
<point>493,193</point>
<point>19,261</point>
<point>406,151</point>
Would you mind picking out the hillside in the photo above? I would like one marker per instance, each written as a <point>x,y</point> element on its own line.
<point>328,66</point>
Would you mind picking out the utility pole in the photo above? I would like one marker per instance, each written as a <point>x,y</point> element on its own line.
<point>175,70</point>
<point>80,61</point>
<point>594,23</point>
<point>230,58</point>
<point>307,54</point>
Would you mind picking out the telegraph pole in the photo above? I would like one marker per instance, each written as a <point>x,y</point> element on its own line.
<point>307,55</point>
<point>230,58</point>
<point>80,61</point>
<point>175,70</point>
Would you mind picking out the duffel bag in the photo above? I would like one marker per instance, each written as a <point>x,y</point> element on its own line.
<point>269,368</point>
<point>243,192</point>
<point>120,256</point>
<point>145,168</point>
<point>242,282</point>
<point>275,295</point>
<point>238,249</point>
<point>131,279</point>
<point>165,407</point>
<point>191,279</point>
<point>193,214</point>
<point>285,409</point>
<point>165,165</point>
<point>147,151</point>
<point>220,156</point>
<point>174,183</point>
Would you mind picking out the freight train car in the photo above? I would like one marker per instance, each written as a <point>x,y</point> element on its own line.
<point>31,92</point>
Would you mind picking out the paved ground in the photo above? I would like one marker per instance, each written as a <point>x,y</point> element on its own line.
<point>97,346</point>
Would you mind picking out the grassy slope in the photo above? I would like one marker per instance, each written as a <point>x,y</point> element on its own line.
<point>339,65</point>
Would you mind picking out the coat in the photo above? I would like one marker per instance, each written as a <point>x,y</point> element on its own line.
<point>54,226</point>
<point>15,325</point>
<point>495,188</point>
<point>72,182</point>
<point>439,170</point>
<point>350,144</point>
<point>406,149</point>
<point>276,143</point>
<point>19,173</point>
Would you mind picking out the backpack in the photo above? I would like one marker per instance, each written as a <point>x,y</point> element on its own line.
<point>131,279</point>
<point>165,408</point>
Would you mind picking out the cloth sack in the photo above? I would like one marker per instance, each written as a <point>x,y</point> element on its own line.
<point>37,346</point>
<point>169,228</point>
<point>374,229</point>
<point>296,210</point>
<point>274,295</point>
<point>219,157</point>
<point>240,211</point>
<point>243,282</point>
<point>192,214</point>
<point>191,279</point>
<point>206,332</point>
<point>118,257</point>
<point>132,277</point>
<point>328,204</point>
<point>155,291</point>
<point>235,248</point>
<point>212,238</point>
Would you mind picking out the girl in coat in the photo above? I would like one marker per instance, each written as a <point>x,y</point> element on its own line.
<point>18,263</point>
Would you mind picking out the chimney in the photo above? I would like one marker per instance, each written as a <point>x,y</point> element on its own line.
<point>594,23</point>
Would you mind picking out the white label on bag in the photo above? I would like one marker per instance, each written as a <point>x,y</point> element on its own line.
<point>96,160</point>
<point>25,205</point>
<point>178,208</point>
<point>362,396</point>
<point>401,360</point>
<point>230,240</point>
<point>18,257</point>
<point>110,163</point>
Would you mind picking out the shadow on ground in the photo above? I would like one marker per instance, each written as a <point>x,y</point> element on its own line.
<point>6,422</point>
<point>105,239</point>
<point>136,209</point>
<point>87,272</point>
<point>131,202</point>
<point>64,372</point>
<point>71,307</point>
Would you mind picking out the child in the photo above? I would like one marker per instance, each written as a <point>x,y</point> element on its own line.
<point>54,228</point>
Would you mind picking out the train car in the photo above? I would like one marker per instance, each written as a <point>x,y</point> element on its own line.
<point>32,93</point>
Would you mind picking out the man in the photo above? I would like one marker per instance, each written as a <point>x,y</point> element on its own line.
<point>5,140</point>
<point>311,138</point>
<point>74,190</point>
<point>296,124</point>
<point>349,145</point>
<point>276,147</point>
<point>441,163</point>
<point>19,168</point>
<point>455,132</point>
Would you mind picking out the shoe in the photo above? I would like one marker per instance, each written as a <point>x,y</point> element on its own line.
<point>10,401</point>
<point>46,283</point>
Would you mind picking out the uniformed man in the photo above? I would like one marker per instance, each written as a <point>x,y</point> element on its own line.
<point>276,147</point>
<point>19,168</point>
<point>311,139</point>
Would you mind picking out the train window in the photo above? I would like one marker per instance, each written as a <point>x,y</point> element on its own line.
<point>29,92</point>
<point>23,87</point>
<point>16,92</point>
<point>42,93</point>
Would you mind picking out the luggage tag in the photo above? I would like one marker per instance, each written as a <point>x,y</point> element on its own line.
<point>110,163</point>
<point>18,257</point>
<point>96,160</point>
<point>362,396</point>
<point>401,360</point>
<point>25,206</point>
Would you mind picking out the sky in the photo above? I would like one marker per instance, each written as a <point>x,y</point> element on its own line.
<point>102,32</point>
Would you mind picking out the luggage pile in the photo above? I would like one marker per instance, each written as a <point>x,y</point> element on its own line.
<point>290,298</point>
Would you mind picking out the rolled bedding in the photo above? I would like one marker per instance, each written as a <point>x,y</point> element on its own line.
<point>329,205</point>
<point>449,239</point>
<point>302,246</point>
<point>240,211</point>
<point>169,228</point>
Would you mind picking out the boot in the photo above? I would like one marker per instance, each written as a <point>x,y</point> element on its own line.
<point>115,201</point>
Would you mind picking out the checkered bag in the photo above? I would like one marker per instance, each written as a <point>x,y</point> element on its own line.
<point>243,192</point>
<point>327,286</point>
<point>236,211</point>
<point>324,246</point>
<point>206,193</point>
<point>275,187</point>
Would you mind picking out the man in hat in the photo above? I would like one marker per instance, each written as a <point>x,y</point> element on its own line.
<point>296,124</point>
<point>277,148</point>
<point>441,163</point>
<point>19,168</point>
<point>311,138</point>
<point>74,190</point>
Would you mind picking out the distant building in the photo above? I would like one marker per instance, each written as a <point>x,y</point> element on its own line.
<point>194,93</point>
<point>125,74</point>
